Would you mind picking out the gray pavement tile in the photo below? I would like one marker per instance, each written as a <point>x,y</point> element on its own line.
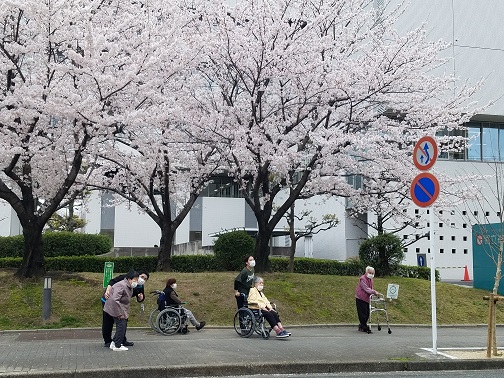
<point>220,350</point>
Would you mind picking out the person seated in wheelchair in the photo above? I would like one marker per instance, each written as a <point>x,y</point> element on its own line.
<point>258,301</point>
<point>172,299</point>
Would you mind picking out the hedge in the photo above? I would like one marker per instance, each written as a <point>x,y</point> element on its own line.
<point>208,263</point>
<point>59,244</point>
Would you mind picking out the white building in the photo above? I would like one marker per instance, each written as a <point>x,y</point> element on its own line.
<point>475,31</point>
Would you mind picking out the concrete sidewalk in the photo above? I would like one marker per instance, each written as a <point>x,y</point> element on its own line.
<point>219,351</point>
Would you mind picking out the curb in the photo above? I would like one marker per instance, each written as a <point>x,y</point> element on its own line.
<point>270,369</point>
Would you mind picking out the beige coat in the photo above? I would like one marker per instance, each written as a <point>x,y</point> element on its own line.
<point>257,300</point>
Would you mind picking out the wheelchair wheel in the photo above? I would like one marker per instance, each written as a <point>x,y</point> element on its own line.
<point>265,333</point>
<point>244,322</point>
<point>168,321</point>
<point>152,319</point>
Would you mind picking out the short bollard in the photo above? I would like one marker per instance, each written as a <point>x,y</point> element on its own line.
<point>46,298</point>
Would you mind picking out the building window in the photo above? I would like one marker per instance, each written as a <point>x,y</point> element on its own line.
<point>485,142</point>
<point>416,211</point>
<point>221,186</point>
<point>453,238</point>
<point>441,237</point>
<point>454,250</point>
<point>405,237</point>
<point>440,225</point>
<point>464,225</point>
<point>466,251</point>
<point>417,250</point>
<point>464,212</point>
<point>441,250</point>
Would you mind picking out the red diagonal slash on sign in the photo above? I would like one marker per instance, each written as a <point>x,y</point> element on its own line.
<point>424,189</point>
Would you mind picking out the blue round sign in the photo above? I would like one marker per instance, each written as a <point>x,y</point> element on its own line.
<point>424,189</point>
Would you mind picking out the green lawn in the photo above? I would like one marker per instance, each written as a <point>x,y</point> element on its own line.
<point>301,299</point>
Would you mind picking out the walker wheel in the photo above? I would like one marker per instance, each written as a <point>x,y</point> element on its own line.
<point>184,330</point>
<point>379,328</point>
<point>389,331</point>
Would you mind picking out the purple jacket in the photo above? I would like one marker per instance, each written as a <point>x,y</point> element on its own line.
<point>118,304</point>
<point>364,289</point>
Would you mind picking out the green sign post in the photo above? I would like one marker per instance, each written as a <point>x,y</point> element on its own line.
<point>108,272</point>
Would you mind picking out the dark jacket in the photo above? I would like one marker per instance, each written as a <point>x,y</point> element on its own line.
<point>171,297</point>
<point>137,290</point>
<point>243,281</point>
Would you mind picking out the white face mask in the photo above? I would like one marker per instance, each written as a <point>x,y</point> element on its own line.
<point>252,263</point>
<point>174,286</point>
<point>260,287</point>
<point>141,281</point>
<point>369,275</point>
<point>134,284</point>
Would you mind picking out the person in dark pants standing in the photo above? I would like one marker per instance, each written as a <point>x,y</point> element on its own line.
<point>118,305</point>
<point>244,281</point>
<point>107,320</point>
<point>363,292</point>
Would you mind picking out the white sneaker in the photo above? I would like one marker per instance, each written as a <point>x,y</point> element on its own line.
<point>112,345</point>
<point>122,347</point>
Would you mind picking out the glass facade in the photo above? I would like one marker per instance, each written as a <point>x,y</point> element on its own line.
<point>221,186</point>
<point>485,142</point>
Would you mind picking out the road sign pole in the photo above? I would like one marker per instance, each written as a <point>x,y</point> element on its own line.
<point>433,279</point>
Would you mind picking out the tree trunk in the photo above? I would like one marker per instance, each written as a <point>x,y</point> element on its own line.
<point>262,251</point>
<point>293,240</point>
<point>165,249</point>
<point>33,257</point>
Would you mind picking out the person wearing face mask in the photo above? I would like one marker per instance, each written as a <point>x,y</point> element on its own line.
<point>107,320</point>
<point>363,292</point>
<point>172,299</point>
<point>243,281</point>
<point>258,301</point>
<point>117,306</point>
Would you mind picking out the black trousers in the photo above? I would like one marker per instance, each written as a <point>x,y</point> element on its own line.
<point>272,317</point>
<point>362,313</point>
<point>107,326</point>
<point>240,300</point>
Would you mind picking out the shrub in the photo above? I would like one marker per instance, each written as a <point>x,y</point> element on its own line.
<point>384,252</point>
<point>75,244</point>
<point>11,246</point>
<point>209,263</point>
<point>231,248</point>
<point>59,244</point>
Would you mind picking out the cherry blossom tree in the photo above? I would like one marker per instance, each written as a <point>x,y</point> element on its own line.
<point>160,173</point>
<point>306,93</point>
<point>71,72</point>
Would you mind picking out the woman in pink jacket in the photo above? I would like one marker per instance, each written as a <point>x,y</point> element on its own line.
<point>118,305</point>
<point>363,292</point>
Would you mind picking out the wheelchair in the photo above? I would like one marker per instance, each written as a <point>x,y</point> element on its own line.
<point>248,321</point>
<point>171,319</point>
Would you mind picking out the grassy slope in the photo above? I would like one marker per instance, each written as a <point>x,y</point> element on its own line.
<point>301,299</point>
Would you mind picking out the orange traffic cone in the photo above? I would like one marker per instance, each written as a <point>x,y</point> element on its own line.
<point>466,274</point>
